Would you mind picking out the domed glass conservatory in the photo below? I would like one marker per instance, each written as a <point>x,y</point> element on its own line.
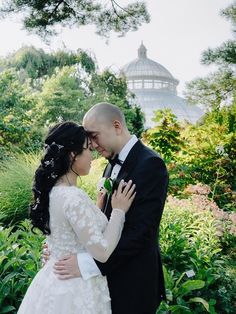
<point>155,88</point>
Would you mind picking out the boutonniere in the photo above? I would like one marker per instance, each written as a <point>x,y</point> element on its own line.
<point>105,184</point>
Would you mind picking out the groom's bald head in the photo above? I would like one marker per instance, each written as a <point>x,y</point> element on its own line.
<point>104,113</point>
<point>107,128</point>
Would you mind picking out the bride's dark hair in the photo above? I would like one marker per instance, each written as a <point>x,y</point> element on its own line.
<point>62,139</point>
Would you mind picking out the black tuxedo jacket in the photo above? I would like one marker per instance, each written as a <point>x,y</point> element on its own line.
<point>134,270</point>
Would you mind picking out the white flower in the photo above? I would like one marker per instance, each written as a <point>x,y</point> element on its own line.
<point>220,149</point>
<point>190,273</point>
<point>105,185</point>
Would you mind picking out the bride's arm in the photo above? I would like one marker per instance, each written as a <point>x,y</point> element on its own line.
<point>100,244</point>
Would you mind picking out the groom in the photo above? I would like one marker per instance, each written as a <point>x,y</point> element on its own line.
<point>134,270</point>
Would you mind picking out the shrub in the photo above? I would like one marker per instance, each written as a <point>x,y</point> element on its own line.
<point>19,261</point>
<point>193,235</point>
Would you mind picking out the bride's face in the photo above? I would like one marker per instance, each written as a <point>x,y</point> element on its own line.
<point>82,162</point>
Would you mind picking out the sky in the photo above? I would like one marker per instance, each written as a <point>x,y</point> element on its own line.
<point>179,31</point>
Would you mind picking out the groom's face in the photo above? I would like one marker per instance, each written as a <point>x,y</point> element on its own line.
<point>103,137</point>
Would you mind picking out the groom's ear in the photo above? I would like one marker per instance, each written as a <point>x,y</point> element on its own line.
<point>118,126</point>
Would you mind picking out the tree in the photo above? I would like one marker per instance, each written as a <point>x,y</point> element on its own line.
<point>42,16</point>
<point>66,85</point>
<point>35,63</point>
<point>213,91</point>
<point>17,115</point>
<point>217,91</point>
<point>165,136</point>
<point>226,53</point>
<point>62,96</point>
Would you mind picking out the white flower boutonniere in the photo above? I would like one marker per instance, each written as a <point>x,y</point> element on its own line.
<point>105,184</point>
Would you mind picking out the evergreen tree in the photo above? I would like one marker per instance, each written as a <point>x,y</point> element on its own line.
<point>42,16</point>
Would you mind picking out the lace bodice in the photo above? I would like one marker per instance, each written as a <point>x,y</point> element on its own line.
<point>77,225</point>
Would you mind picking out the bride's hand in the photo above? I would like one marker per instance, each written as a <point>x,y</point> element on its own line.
<point>123,197</point>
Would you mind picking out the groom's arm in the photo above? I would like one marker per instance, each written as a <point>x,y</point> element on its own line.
<point>87,266</point>
<point>145,214</point>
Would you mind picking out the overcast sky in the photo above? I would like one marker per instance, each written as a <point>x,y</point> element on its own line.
<point>177,34</point>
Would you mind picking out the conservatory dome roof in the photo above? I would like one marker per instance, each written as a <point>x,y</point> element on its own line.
<point>155,89</point>
<point>144,67</point>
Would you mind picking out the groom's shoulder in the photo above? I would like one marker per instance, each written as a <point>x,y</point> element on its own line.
<point>148,158</point>
<point>148,152</point>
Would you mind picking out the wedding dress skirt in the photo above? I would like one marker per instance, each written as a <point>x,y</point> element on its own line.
<point>49,295</point>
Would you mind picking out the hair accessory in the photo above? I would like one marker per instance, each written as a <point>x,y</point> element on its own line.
<point>36,190</point>
<point>49,163</point>
<point>53,175</point>
<point>54,147</point>
<point>36,203</point>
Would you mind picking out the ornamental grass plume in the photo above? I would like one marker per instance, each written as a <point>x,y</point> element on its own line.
<point>226,222</point>
<point>199,201</point>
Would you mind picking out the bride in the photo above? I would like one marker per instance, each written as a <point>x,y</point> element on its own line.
<point>72,224</point>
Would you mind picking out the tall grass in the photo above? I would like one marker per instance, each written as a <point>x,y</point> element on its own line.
<point>16,178</point>
<point>15,187</point>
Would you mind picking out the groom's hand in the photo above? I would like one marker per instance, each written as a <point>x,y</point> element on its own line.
<point>67,267</point>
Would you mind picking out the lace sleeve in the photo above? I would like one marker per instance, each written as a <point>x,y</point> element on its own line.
<point>99,244</point>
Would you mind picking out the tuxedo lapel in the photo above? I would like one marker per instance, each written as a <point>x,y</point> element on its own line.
<point>107,171</point>
<point>129,163</point>
<point>126,169</point>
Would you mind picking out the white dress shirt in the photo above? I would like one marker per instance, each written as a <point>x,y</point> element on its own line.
<point>87,266</point>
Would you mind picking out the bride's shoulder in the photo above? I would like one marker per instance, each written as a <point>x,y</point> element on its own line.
<point>65,190</point>
<point>69,192</point>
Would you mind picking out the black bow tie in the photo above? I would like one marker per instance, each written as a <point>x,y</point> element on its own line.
<point>115,161</point>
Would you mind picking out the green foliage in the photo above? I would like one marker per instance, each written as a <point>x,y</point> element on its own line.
<point>17,114</point>
<point>42,17</point>
<point>205,162</point>
<point>216,93</point>
<point>187,235</point>
<point>62,97</point>
<point>15,185</point>
<point>199,153</point>
<point>89,183</point>
<point>39,89</point>
<point>16,179</point>
<point>35,63</point>
<point>20,251</point>
<point>190,240</point>
<point>179,296</point>
<point>213,91</point>
<point>165,136</point>
<point>226,53</point>
<point>31,62</point>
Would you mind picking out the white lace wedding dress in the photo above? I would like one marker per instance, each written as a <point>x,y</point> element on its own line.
<point>77,225</point>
